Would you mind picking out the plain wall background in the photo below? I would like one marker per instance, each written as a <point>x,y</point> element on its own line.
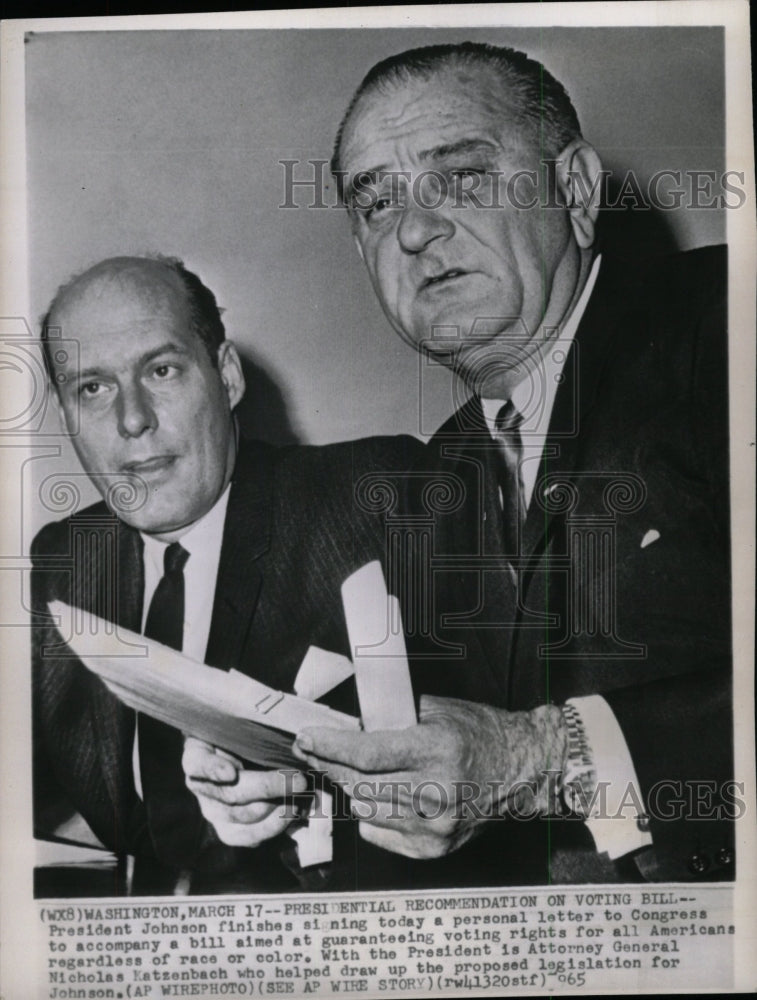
<point>170,141</point>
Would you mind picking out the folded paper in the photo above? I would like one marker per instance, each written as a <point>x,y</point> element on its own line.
<point>225,708</point>
<point>377,644</point>
<point>320,672</point>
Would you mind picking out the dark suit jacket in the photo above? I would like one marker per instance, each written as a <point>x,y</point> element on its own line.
<point>638,443</point>
<point>293,532</point>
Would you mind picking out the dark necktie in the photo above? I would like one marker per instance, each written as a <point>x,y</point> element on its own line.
<point>173,814</point>
<point>507,436</point>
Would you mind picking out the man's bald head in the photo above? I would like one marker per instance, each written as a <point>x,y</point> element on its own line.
<point>152,278</point>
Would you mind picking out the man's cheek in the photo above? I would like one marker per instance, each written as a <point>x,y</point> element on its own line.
<point>393,279</point>
<point>87,455</point>
<point>377,272</point>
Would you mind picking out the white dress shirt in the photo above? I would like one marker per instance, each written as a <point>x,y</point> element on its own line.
<point>203,543</point>
<point>534,398</point>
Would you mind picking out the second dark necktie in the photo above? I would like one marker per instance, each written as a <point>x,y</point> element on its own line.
<point>510,449</point>
<point>173,814</point>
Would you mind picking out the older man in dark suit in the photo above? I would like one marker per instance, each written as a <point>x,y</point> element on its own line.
<point>231,552</point>
<point>576,667</point>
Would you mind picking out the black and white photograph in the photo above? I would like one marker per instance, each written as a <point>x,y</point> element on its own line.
<point>378,459</point>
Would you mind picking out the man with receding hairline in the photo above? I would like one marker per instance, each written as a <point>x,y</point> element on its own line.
<point>232,552</point>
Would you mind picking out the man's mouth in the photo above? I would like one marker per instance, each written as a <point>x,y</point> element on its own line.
<point>144,466</point>
<point>443,276</point>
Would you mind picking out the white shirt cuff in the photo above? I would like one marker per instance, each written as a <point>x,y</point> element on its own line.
<point>617,819</point>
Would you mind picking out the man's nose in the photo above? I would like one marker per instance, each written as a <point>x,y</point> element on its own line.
<point>420,225</point>
<point>135,412</point>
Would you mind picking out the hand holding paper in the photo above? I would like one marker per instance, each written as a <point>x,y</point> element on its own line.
<point>424,791</point>
<point>226,709</point>
<point>244,807</point>
<point>219,709</point>
<point>239,803</point>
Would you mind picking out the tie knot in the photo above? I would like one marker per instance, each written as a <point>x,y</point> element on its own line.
<point>174,559</point>
<point>509,418</point>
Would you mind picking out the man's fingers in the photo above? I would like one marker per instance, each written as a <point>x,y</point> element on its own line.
<point>380,751</point>
<point>216,750</point>
<point>338,774</point>
<point>251,834</point>
<point>251,786</point>
<point>221,814</point>
<point>204,762</point>
<point>271,784</point>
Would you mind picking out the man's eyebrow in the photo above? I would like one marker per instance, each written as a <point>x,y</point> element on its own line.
<point>473,145</point>
<point>167,348</point>
<point>361,180</point>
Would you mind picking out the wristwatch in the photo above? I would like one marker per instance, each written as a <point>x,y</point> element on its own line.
<point>579,780</point>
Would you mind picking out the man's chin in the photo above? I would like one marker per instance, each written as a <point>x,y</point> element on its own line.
<point>151,518</point>
<point>470,359</point>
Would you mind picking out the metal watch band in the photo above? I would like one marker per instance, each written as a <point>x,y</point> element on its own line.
<point>579,777</point>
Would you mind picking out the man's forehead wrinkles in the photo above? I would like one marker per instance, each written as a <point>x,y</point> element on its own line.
<point>459,147</point>
<point>430,115</point>
<point>428,120</point>
<point>420,141</point>
<point>405,113</point>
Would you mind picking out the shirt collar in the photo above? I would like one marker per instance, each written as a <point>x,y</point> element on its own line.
<point>205,535</point>
<point>535,394</point>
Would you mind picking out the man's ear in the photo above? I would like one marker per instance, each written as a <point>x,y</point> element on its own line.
<point>232,376</point>
<point>579,181</point>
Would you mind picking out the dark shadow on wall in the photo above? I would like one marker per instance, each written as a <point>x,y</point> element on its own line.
<point>263,413</point>
<point>631,231</point>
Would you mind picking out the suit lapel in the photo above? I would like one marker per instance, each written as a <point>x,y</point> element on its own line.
<point>113,722</point>
<point>571,414</point>
<point>246,537</point>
